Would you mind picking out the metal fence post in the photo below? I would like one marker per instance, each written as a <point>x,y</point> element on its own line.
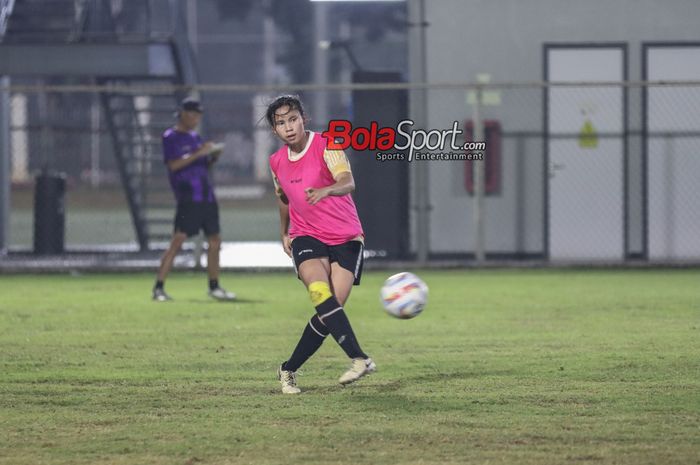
<point>4,163</point>
<point>419,109</point>
<point>479,173</point>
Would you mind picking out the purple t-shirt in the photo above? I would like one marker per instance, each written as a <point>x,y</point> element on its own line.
<point>191,183</point>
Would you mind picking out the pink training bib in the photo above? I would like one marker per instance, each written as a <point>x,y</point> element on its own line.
<point>334,219</point>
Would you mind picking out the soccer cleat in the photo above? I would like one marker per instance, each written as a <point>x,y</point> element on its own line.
<point>288,379</point>
<point>159,295</point>
<point>359,368</point>
<point>221,294</point>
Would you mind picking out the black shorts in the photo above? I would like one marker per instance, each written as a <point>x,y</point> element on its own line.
<point>190,217</point>
<point>348,254</point>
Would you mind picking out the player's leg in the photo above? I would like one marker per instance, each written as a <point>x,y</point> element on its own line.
<point>341,282</point>
<point>210,224</point>
<point>346,270</point>
<point>316,276</point>
<point>215,289</point>
<point>166,263</point>
<point>347,261</point>
<point>186,224</point>
<point>315,331</point>
<point>306,249</point>
<point>214,243</point>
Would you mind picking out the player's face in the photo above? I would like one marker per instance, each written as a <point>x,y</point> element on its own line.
<point>190,119</point>
<point>289,125</point>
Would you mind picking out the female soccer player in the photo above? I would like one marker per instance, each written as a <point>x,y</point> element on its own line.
<point>321,231</point>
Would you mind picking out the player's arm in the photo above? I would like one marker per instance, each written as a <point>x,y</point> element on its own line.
<point>189,158</point>
<point>284,226</point>
<point>283,205</point>
<point>337,163</point>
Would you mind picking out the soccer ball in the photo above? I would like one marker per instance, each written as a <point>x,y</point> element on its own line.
<point>404,295</point>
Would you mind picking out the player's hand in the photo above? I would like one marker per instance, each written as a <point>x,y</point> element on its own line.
<point>214,156</point>
<point>217,148</point>
<point>314,195</point>
<point>287,244</point>
<point>205,149</point>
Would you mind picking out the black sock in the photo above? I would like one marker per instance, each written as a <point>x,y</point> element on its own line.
<point>213,284</point>
<point>159,285</point>
<point>333,316</point>
<point>311,339</point>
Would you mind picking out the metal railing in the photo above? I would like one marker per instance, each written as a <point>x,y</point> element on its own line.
<point>151,20</point>
<point>560,178</point>
<point>102,20</point>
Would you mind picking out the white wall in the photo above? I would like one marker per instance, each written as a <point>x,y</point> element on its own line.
<point>504,38</point>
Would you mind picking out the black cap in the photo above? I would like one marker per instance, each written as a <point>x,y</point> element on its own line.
<point>191,104</point>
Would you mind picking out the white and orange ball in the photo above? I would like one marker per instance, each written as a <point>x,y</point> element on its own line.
<point>404,295</point>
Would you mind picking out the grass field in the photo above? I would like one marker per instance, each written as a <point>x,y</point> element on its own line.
<point>503,367</point>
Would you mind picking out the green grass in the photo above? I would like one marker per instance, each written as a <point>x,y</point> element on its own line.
<point>503,367</point>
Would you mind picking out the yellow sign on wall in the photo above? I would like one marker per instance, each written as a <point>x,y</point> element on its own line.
<point>588,137</point>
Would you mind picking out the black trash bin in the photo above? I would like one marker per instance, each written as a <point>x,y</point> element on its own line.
<point>49,213</point>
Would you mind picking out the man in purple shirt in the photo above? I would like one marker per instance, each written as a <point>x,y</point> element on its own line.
<point>188,159</point>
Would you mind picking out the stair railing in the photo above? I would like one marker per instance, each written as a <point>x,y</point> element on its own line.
<point>6,7</point>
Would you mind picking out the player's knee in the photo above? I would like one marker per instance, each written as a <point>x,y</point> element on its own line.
<point>177,241</point>
<point>214,242</point>
<point>319,291</point>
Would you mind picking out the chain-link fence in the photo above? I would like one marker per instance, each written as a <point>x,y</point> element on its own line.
<point>584,172</point>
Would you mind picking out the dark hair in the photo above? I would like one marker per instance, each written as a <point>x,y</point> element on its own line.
<point>292,101</point>
<point>191,104</point>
